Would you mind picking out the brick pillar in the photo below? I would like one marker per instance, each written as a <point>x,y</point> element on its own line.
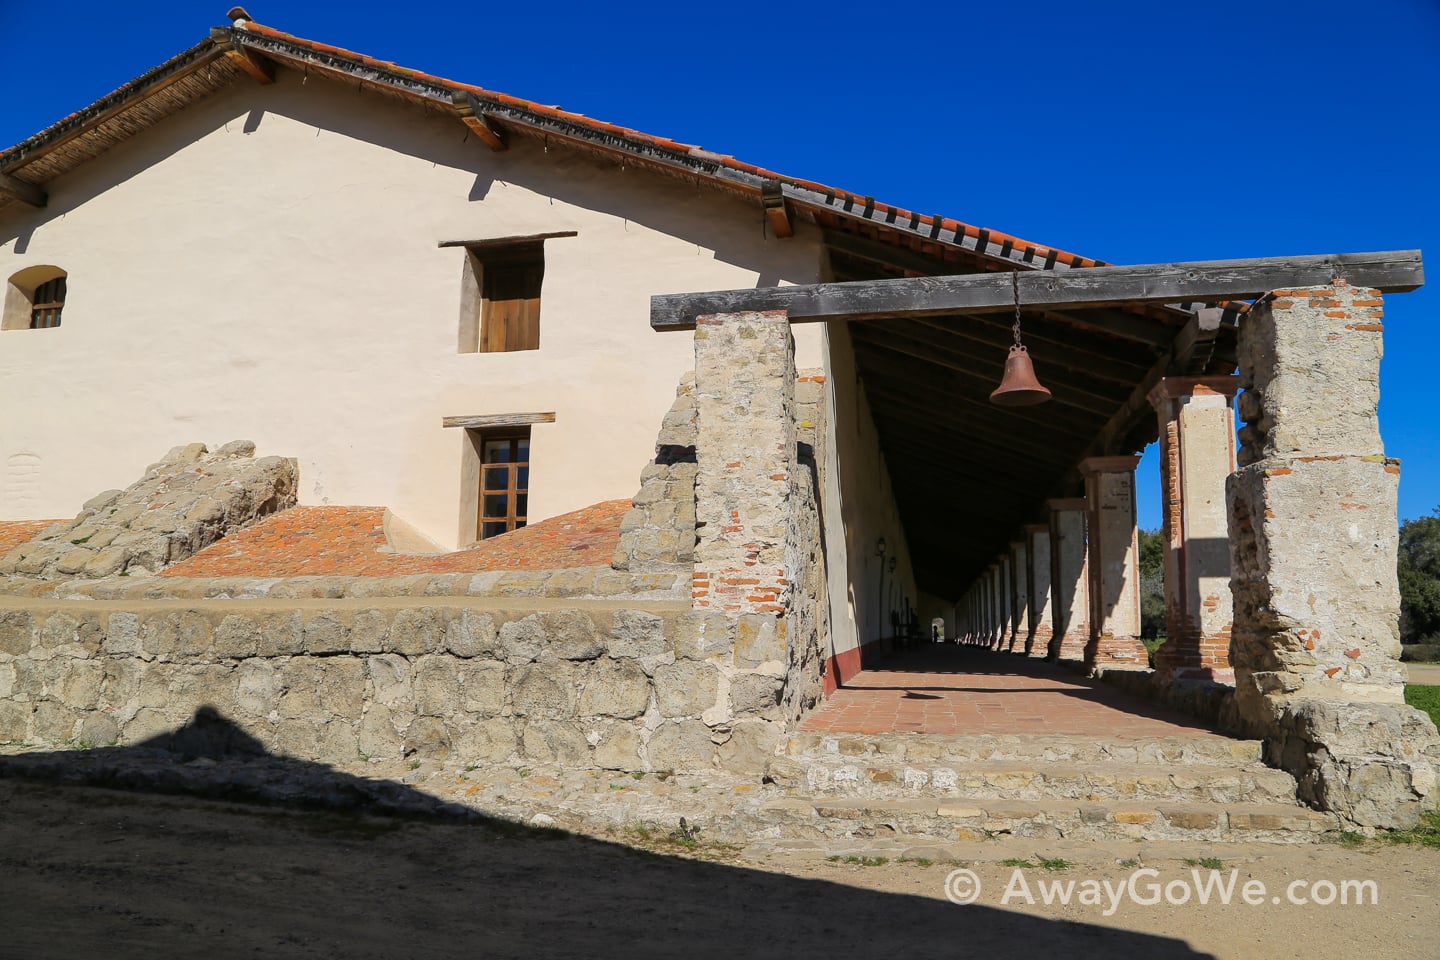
<point>1197,454</point>
<point>1019,596</point>
<point>1037,577</point>
<point>744,450</point>
<point>1069,579</point>
<point>1114,563</point>
<point>1313,533</point>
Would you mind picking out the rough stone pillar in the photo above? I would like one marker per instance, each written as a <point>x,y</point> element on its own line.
<point>1069,580</point>
<point>1197,455</point>
<point>1019,595</point>
<point>1037,580</point>
<point>1114,563</point>
<point>1313,535</point>
<point>744,451</point>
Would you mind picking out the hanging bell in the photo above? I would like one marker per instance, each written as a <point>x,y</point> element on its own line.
<point>1018,387</point>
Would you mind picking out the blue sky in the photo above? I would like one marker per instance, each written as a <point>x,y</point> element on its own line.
<point>1131,132</point>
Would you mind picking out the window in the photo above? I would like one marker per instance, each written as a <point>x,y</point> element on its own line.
<point>504,483</point>
<point>500,292</point>
<point>506,282</point>
<point>34,298</point>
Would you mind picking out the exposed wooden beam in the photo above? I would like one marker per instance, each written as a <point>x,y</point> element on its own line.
<point>493,420</point>
<point>472,114</point>
<point>1201,281</point>
<point>510,241</point>
<point>258,67</point>
<point>772,197</point>
<point>22,190</point>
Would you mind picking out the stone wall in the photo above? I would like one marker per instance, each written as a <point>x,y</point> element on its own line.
<point>658,533</point>
<point>610,685</point>
<point>807,613</point>
<point>1313,535</point>
<point>183,503</point>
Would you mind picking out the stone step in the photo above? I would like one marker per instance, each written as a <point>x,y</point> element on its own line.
<point>928,748</point>
<point>921,821</point>
<point>880,777</point>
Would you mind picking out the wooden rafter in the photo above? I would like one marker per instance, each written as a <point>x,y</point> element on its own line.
<point>772,197</point>
<point>22,190</point>
<point>473,115</point>
<point>1202,281</point>
<point>259,68</point>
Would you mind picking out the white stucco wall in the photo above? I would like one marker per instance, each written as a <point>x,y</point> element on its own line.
<point>264,265</point>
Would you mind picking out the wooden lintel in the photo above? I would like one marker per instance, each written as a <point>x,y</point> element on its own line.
<point>258,67</point>
<point>472,114</point>
<point>495,420</point>
<point>22,190</point>
<point>772,196</point>
<point>1204,281</point>
<point>510,241</point>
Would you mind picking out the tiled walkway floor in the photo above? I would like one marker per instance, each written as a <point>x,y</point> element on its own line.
<point>956,690</point>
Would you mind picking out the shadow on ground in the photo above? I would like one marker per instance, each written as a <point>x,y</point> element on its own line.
<point>87,870</point>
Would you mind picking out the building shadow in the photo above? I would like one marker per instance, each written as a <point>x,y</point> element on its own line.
<point>88,870</point>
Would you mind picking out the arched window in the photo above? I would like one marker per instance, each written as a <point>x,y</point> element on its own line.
<point>34,299</point>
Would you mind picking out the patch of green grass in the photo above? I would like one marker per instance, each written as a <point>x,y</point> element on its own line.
<point>1426,833</point>
<point>523,772</point>
<point>1056,863</point>
<point>1209,863</point>
<point>1016,862</point>
<point>1350,839</point>
<point>637,775</point>
<point>617,786</point>
<point>1130,862</point>
<point>1424,698</point>
<point>918,861</point>
<point>82,540</point>
<point>865,861</point>
<point>414,764</point>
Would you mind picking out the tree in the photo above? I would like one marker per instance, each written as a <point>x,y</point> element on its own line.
<point>1419,570</point>
<point>1152,584</point>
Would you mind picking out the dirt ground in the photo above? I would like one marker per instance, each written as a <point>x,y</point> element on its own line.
<point>87,872</point>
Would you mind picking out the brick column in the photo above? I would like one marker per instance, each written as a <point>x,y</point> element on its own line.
<point>744,450</point>
<point>1197,454</point>
<point>1037,577</point>
<point>1114,563</point>
<point>1313,533</point>
<point>1069,579</point>
<point>1019,596</point>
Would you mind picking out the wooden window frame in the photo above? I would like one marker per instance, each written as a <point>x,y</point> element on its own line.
<point>47,303</point>
<point>513,517</point>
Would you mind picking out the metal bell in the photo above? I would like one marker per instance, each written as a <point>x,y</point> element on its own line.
<point>1018,387</point>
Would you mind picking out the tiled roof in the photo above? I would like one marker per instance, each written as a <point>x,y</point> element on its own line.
<point>202,69</point>
<point>348,541</point>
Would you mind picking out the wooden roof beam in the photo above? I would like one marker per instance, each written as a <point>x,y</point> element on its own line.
<point>258,67</point>
<point>1201,281</point>
<point>473,115</point>
<point>23,190</point>
<point>772,197</point>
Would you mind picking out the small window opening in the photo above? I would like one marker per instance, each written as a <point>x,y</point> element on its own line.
<point>34,299</point>
<point>505,298</point>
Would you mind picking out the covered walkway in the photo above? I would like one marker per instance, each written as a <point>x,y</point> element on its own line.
<point>941,689</point>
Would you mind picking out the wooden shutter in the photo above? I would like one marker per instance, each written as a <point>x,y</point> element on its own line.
<point>510,311</point>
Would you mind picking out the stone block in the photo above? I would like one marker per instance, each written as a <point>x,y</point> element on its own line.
<point>437,686</point>
<point>428,737</point>
<point>326,632</point>
<point>380,737</point>
<point>54,722</point>
<point>554,741</point>
<point>487,741</point>
<point>122,634</point>
<point>299,678</point>
<point>543,690</point>
<point>281,634</point>
<point>256,687</point>
<point>17,632</point>
<point>751,746</point>
<point>414,631</point>
<point>759,639</point>
<point>755,693</point>
<point>340,688</point>
<point>390,678</point>
<point>368,630</point>
<point>337,741</point>
<point>521,641</point>
<point>149,727</point>
<point>680,745</point>
<point>572,636</point>
<point>635,633</point>
<point>15,721</point>
<point>482,686</point>
<point>298,737</point>
<point>686,688</point>
<point>236,637</point>
<point>471,634</point>
<point>615,688</point>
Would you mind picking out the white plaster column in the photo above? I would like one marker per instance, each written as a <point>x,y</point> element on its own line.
<point>1019,595</point>
<point>1114,563</point>
<point>1069,579</point>
<point>1007,576</point>
<point>1037,577</point>
<point>1197,455</point>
